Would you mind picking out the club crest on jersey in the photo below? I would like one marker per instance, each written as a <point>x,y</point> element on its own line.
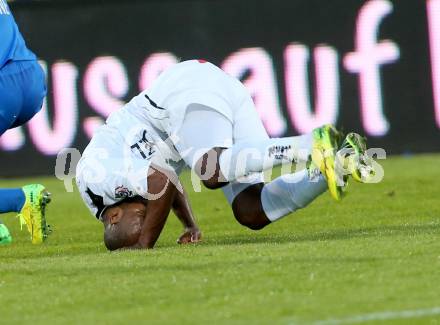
<point>122,192</point>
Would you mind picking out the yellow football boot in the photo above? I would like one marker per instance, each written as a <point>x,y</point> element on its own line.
<point>326,141</point>
<point>359,163</point>
<point>33,213</point>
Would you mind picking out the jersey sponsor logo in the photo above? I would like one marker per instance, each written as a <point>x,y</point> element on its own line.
<point>4,9</point>
<point>279,152</point>
<point>122,192</point>
<point>314,174</point>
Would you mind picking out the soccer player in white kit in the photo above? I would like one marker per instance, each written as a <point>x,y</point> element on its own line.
<point>196,115</point>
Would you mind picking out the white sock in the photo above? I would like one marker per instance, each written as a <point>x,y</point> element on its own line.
<point>253,157</point>
<point>291,192</point>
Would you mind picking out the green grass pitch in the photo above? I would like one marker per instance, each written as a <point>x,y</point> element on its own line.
<point>373,257</point>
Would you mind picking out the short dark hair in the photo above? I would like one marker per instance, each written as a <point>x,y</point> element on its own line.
<point>121,234</point>
<point>114,237</point>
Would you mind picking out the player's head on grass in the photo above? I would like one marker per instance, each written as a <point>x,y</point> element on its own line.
<point>123,223</point>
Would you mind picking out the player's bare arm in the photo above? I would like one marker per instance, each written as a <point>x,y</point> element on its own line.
<point>137,223</point>
<point>157,210</point>
<point>182,209</point>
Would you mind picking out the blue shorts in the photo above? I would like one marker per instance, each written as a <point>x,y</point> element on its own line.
<point>22,90</point>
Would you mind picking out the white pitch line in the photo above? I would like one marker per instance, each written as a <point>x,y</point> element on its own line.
<point>386,315</point>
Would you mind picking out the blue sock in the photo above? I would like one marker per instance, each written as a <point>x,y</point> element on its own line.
<point>11,200</point>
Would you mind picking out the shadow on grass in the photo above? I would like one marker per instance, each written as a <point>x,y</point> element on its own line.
<point>202,260</point>
<point>337,234</point>
<point>86,249</point>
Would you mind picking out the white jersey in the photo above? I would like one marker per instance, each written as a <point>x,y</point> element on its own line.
<point>115,164</point>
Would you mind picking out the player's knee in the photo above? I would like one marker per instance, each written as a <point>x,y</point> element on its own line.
<point>213,183</point>
<point>251,221</point>
<point>248,209</point>
<point>251,224</point>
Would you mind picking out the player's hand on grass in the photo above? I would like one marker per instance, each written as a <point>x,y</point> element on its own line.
<point>190,235</point>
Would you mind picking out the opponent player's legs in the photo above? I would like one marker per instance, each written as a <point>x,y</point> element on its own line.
<point>11,200</point>
<point>22,89</point>
<point>11,101</point>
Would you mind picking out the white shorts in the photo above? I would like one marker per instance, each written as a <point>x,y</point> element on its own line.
<point>204,128</point>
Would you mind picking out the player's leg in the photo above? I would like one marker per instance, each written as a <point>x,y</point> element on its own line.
<point>250,138</point>
<point>33,211</point>
<point>22,89</point>
<point>201,138</point>
<point>11,200</point>
<point>33,88</point>
<point>30,204</point>
<point>253,150</point>
<point>255,204</point>
<point>211,145</point>
<point>245,201</point>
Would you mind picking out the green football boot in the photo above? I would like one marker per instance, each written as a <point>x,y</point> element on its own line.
<point>33,213</point>
<point>326,140</point>
<point>5,236</point>
<point>354,149</point>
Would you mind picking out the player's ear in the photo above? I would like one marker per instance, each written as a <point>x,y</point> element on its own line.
<point>114,215</point>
